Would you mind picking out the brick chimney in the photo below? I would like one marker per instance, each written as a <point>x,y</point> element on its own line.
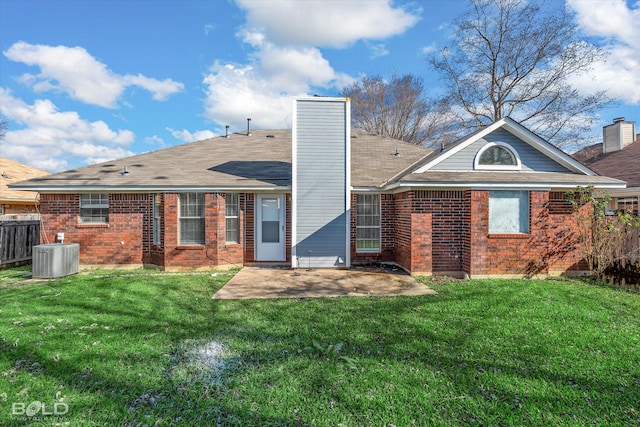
<point>618,135</point>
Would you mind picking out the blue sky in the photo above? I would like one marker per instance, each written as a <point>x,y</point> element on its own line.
<point>89,81</point>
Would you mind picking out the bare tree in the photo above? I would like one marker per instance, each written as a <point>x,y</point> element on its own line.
<point>517,58</point>
<point>397,109</point>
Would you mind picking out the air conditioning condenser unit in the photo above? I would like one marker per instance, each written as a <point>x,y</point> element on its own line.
<point>55,260</point>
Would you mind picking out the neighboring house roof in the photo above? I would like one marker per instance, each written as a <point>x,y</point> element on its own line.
<point>262,161</point>
<point>623,164</point>
<point>12,172</point>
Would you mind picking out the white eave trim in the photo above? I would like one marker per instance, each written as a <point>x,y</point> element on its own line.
<point>150,189</point>
<point>525,135</point>
<point>497,185</point>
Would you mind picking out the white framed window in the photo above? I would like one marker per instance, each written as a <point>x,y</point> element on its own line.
<point>94,208</point>
<point>368,223</point>
<point>191,219</point>
<point>232,218</point>
<point>497,156</point>
<point>156,218</point>
<point>508,212</point>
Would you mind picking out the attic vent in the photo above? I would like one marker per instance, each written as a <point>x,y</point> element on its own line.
<point>271,136</point>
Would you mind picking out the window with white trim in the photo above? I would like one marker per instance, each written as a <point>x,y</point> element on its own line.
<point>94,208</point>
<point>232,218</point>
<point>508,212</point>
<point>368,223</point>
<point>191,219</point>
<point>497,156</point>
<point>156,218</point>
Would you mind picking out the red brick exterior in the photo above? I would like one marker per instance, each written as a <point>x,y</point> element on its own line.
<point>549,247</point>
<point>425,232</point>
<point>122,241</point>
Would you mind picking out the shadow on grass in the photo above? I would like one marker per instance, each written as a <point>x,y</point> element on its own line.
<point>105,346</point>
<point>477,353</point>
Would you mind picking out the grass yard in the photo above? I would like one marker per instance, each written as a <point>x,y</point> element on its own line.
<point>134,348</point>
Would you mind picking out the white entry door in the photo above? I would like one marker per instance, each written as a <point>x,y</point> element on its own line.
<point>270,227</point>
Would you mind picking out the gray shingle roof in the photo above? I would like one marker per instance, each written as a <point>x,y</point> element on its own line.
<point>261,161</point>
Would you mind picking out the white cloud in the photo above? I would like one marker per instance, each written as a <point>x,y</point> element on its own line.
<point>287,61</point>
<point>186,136</point>
<point>74,71</point>
<point>377,49</point>
<point>326,24</point>
<point>237,93</point>
<point>428,49</point>
<point>52,139</point>
<point>615,23</point>
<point>155,140</point>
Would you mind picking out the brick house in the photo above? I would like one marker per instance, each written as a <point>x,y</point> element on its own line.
<point>323,195</point>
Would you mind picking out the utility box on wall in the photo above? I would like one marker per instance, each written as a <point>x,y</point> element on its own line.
<point>55,260</point>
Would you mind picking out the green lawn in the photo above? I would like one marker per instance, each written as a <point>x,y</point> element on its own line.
<point>137,348</point>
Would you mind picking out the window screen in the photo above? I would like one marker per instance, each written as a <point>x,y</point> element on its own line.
<point>368,223</point>
<point>94,208</point>
<point>192,219</point>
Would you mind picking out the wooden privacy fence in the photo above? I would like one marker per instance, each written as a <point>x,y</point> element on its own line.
<point>626,271</point>
<point>17,239</point>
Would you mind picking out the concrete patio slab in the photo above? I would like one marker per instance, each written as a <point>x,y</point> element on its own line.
<point>263,283</point>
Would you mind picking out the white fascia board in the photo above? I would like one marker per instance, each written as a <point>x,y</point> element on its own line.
<point>495,185</point>
<point>147,189</point>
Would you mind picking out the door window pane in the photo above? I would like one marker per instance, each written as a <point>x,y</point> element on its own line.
<point>270,220</point>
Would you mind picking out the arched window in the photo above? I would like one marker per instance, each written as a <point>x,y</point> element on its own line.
<point>497,156</point>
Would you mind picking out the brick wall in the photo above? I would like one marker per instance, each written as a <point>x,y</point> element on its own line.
<point>121,241</point>
<point>18,208</point>
<point>549,247</point>
<point>423,231</point>
<point>215,251</point>
<point>447,209</point>
<point>403,230</point>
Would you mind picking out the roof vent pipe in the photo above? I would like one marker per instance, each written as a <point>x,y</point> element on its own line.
<point>226,131</point>
<point>248,126</point>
